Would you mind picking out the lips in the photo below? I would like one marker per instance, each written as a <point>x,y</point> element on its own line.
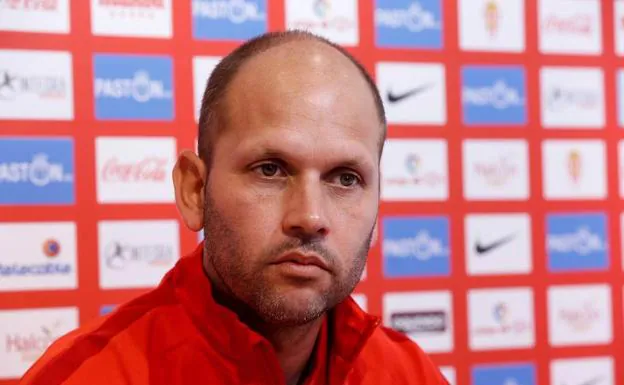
<point>303,259</point>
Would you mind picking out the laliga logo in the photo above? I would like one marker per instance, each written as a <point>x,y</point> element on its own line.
<point>501,313</point>
<point>574,165</point>
<point>321,8</point>
<point>491,17</point>
<point>412,163</point>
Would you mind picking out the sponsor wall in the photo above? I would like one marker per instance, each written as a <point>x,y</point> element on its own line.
<point>499,240</point>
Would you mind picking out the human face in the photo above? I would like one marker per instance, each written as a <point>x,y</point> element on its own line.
<point>293,190</point>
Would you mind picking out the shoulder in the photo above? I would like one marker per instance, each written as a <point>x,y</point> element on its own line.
<point>102,351</point>
<point>401,359</point>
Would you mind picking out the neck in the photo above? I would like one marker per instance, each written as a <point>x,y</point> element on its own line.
<point>294,345</point>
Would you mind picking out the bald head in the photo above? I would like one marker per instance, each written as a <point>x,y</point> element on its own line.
<point>289,68</point>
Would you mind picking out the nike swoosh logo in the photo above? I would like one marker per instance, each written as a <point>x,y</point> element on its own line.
<point>480,248</point>
<point>593,381</point>
<point>394,98</point>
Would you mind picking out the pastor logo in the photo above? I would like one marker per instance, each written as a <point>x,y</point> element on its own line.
<point>504,374</point>
<point>493,95</point>
<point>416,247</point>
<point>577,242</point>
<point>415,24</point>
<point>229,19</point>
<point>133,87</point>
<point>36,171</point>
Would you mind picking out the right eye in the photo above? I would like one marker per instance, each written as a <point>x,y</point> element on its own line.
<point>268,169</point>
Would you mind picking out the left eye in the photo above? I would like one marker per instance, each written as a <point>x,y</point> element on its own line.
<point>348,179</point>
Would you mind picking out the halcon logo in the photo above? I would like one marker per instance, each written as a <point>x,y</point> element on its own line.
<point>31,346</point>
<point>422,247</point>
<point>415,18</point>
<point>45,87</point>
<point>500,96</point>
<point>498,172</point>
<point>582,318</point>
<point>236,11</point>
<point>119,255</point>
<point>39,171</point>
<point>141,88</point>
<point>148,169</point>
<point>577,24</point>
<point>582,242</point>
<point>419,322</point>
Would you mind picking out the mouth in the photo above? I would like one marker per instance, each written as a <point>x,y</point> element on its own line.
<point>303,259</point>
<point>301,265</point>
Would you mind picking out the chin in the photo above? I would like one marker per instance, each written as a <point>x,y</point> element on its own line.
<point>296,306</point>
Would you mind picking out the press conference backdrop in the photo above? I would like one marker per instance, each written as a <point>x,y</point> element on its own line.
<point>499,237</point>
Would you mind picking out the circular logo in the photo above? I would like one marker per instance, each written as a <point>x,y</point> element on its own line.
<point>412,162</point>
<point>321,8</point>
<point>501,312</point>
<point>51,248</point>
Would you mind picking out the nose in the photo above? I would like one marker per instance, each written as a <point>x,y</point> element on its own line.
<point>305,214</point>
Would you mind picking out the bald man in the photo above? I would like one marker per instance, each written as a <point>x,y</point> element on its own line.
<point>286,188</point>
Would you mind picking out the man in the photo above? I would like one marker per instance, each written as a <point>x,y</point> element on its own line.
<point>286,188</point>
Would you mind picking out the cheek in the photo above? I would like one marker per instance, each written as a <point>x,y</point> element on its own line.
<point>253,216</point>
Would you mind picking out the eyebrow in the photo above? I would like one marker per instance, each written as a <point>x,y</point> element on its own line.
<point>351,161</point>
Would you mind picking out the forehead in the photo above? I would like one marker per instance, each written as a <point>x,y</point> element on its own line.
<point>310,91</point>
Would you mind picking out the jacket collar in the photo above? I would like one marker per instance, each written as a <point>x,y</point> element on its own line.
<point>348,326</point>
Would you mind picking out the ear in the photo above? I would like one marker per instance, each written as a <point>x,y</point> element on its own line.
<point>189,178</point>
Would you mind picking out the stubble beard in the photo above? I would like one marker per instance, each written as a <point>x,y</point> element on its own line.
<point>224,251</point>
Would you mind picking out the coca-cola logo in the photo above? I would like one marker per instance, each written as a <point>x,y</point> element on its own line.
<point>577,24</point>
<point>151,169</point>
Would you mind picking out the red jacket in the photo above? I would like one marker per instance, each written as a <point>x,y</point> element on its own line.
<point>176,334</point>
